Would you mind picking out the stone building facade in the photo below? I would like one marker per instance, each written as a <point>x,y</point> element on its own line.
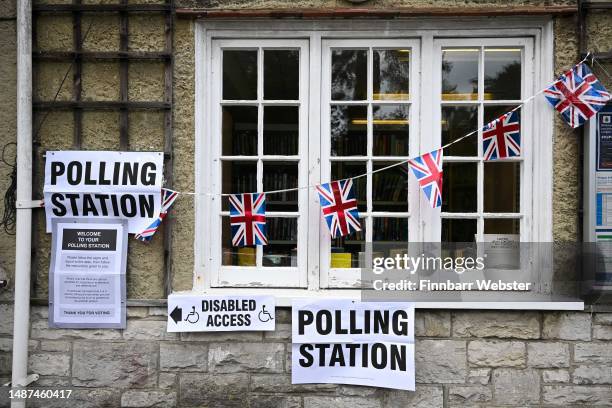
<point>475,358</point>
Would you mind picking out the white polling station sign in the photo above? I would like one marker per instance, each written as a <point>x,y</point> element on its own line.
<point>200,313</point>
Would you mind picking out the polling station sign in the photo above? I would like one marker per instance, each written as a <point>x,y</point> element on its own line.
<point>99,185</point>
<point>190,313</point>
<point>350,342</point>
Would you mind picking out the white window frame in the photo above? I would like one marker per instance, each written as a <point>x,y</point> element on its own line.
<point>540,29</point>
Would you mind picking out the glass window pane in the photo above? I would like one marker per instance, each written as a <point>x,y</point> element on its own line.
<point>282,242</point>
<point>391,74</point>
<point>390,188</point>
<point>459,187</point>
<point>349,75</point>
<point>502,186</point>
<point>344,170</point>
<point>501,226</point>
<point>240,74</point>
<point>390,130</point>
<point>281,130</point>
<point>349,251</point>
<point>460,74</point>
<point>278,176</point>
<point>238,177</point>
<point>458,121</point>
<point>349,130</point>
<point>502,74</point>
<point>239,130</point>
<point>235,256</point>
<point>281,74</point>
<point>388,229</point>
<point>458,230</point>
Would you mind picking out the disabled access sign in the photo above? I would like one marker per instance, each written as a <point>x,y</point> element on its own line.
<point>202,313</point>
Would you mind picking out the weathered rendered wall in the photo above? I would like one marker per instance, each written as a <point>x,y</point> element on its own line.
<point>464,358</point>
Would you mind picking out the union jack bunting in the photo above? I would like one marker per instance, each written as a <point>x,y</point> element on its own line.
<point>585,72</point>
<point>501,138</point>
<point>339,207</point>
<point>248,219</point>
<point>168,197</point>
<point>575,98</point>
<point>427,169</point>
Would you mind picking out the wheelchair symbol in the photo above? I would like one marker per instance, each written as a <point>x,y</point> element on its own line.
<point>193,316</point>
<point>264,315</point>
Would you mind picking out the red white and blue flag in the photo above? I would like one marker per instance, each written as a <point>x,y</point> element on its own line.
<point>339,207</point>
<point>575,98</point>
<point>501,138</point>
<point>427,168</point>
<point>248,219</point>
<point>168,197</point>
<point>585,72</point>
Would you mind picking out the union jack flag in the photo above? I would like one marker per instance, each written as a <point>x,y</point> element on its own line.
<point>248,219</point>
<point>585,72</point>
<point>168,197</point>
<point>427,168</point>
<point>575,98</point>
<point>339,207</point>
<point>501,138</point>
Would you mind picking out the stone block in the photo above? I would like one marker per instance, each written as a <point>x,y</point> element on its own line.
<point>148,398</point>
<point>220,337</point>
<point>183,356</point>
<point>5,363</point>
<point>432,323</point>
<point>137,311</point>
<point>40,330</point>
<point>564,395</point>
<point>472,394</point>
<point>157,311</point>
<point>555,376</point>
<point>282,332</point>
<point>49,364</point>
<point>547,355</point>
<point>422,397</point>
<point>516,387</point>
<point>242,357</point>
<point>167,380</point>
<point>274,401</point>
<point>567,326</point>
<point>213,390</point>
<point>492,353</point>
<point>6,319</point>
<point>53,345</point>
<point>81,398</point>
<point>603,318</point>
<point>148,330</point>
<point>271,383</point>
<point>593,353</point>
<point>592,375</point>
<point>440,361</point>
<point>520,325</point>
<point>128,364</point>
<point>341,402</point>
<point>480,376</point>
<point>601,332</point>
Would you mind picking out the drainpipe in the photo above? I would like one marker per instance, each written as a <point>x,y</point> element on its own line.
<point>23,240</point>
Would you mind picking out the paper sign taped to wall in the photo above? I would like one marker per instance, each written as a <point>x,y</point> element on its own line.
<point>191,313</point>
<point>99,185</point>
<point>351,342</point>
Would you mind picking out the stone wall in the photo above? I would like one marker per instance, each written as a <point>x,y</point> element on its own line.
<point>463,358</point>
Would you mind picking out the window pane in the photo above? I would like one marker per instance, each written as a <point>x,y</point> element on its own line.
<point>278,176</point>
<point>459,187</point>
<point>454,230</point>
<point>390,130</point>
<point>391,74</point>
<point>501,226</point>
<point>239,74</point>
<point>494,112</point>
<point>282,240</point>
<point>349,75</point>
<point>237,256</point>
<point>390,229</point>
<point>238,177</point>
<point>349,251</point>
<point>239,130</point>
<point>281,74</point>
<point>502,76</point>
<point>349,130</point>
<point>390,188</point>
<point>281,131</point>
<point>458,121</point>
<point>459,74</point>
<point>344,170</point>
<point>502,186</point>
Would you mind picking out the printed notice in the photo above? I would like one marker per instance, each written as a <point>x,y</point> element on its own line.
<point>87,274</point>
